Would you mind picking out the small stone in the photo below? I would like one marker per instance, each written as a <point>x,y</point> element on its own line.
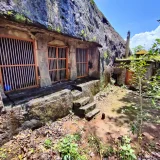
<point>32,124</point>
<point>103,116</point>
<point>92,154</point>
<point>148,136</point>
<point>1,131</point>
<point>156,154</point>
<point>3,111</point>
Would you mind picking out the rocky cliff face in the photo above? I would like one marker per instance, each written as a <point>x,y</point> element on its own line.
<point>78,18</point>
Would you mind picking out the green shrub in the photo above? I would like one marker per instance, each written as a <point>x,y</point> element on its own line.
<point>83,33</point>
<point>58,29</point>
<point>96,144</point>
<point>125,150</point>
<point>3,153</point>
<point>48,143</point>
<point>20,17</point>
<point>77,136</point>
<point>68,149</point>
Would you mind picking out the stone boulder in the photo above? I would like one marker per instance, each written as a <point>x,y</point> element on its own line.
<point>32,124</point>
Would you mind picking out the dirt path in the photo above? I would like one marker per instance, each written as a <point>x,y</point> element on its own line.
<point>115,124</point>
<point>120,109</point>
<point>118,105</point>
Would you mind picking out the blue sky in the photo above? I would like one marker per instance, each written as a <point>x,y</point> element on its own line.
<point>138,16</point>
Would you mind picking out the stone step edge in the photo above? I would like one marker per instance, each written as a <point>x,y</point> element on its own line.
<point>91,114</point>
<point>81,102</point>
<point>77,95</point>
<point>87,108</point>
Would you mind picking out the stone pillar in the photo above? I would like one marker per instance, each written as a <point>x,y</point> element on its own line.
<point>122,77</point>
<point>73,65</point>
<point>94,60</point>
<point>42,55</point>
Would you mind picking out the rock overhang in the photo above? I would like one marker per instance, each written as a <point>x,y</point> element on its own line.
<point>75,18</point>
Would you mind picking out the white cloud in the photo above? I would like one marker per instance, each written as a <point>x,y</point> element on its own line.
<point>145,39</point>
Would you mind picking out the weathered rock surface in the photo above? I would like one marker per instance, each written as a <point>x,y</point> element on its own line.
<point>56,105</point>
<point>77,18</point>
<point>32,124</point>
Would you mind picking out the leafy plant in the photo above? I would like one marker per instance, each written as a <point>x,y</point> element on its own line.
<point>154,88</point>
<point>96,144</point>
<point>93,39</point>
<point>3,154</point>
<point>138,67</point>
<point>137,49</point>
<point>105,55</point>
<point>48,143</point>
<point>49,27</point>
<point>20,17</point>
<point>77,136</point>
<point>10,12</point>
<point>92,2</point>
<point>69,149</point>
<point>126,152</point>
<point>58,29</point>
<point>109,151</point>
<point>83,33</point>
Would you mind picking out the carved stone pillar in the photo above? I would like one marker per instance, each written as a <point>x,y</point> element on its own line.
<point>42,54</point>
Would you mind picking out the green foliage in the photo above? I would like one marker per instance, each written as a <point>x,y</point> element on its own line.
<point>83,33</point>
<point>137,49</point>
<point>96,144</point>
<point>126,152</point>
<point>105,55</point>
<point>92,2</point>
<point>49,27</point>
<point>3,154</point>
<point>69,150</point>
<point>93,39</point>
<point>20,17</point>
<point>154,88</point>
<point>109,151</point>
<point>58,29</point>
<point>10,13</point>
<point>47,144</point>
<point>134,128</point>
<point>77,136</point>
<point>154,52</point>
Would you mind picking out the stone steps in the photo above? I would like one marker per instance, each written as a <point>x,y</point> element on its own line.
<point>80,102</point>
<point>92,113</point>
<point>87,108</point>
<point>77,95</point>
<point>83,107</point>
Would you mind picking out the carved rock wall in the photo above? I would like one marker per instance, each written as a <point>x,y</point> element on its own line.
<point>77,18</point>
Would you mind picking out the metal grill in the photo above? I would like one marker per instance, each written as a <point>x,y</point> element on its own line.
<point>82,62</point>
<point>17,64</point>
<point>58,63</point>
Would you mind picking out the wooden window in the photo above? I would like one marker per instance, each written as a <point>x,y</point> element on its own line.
<point>58,63</point>
<point>18,69</point>
<point>82,62</point>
